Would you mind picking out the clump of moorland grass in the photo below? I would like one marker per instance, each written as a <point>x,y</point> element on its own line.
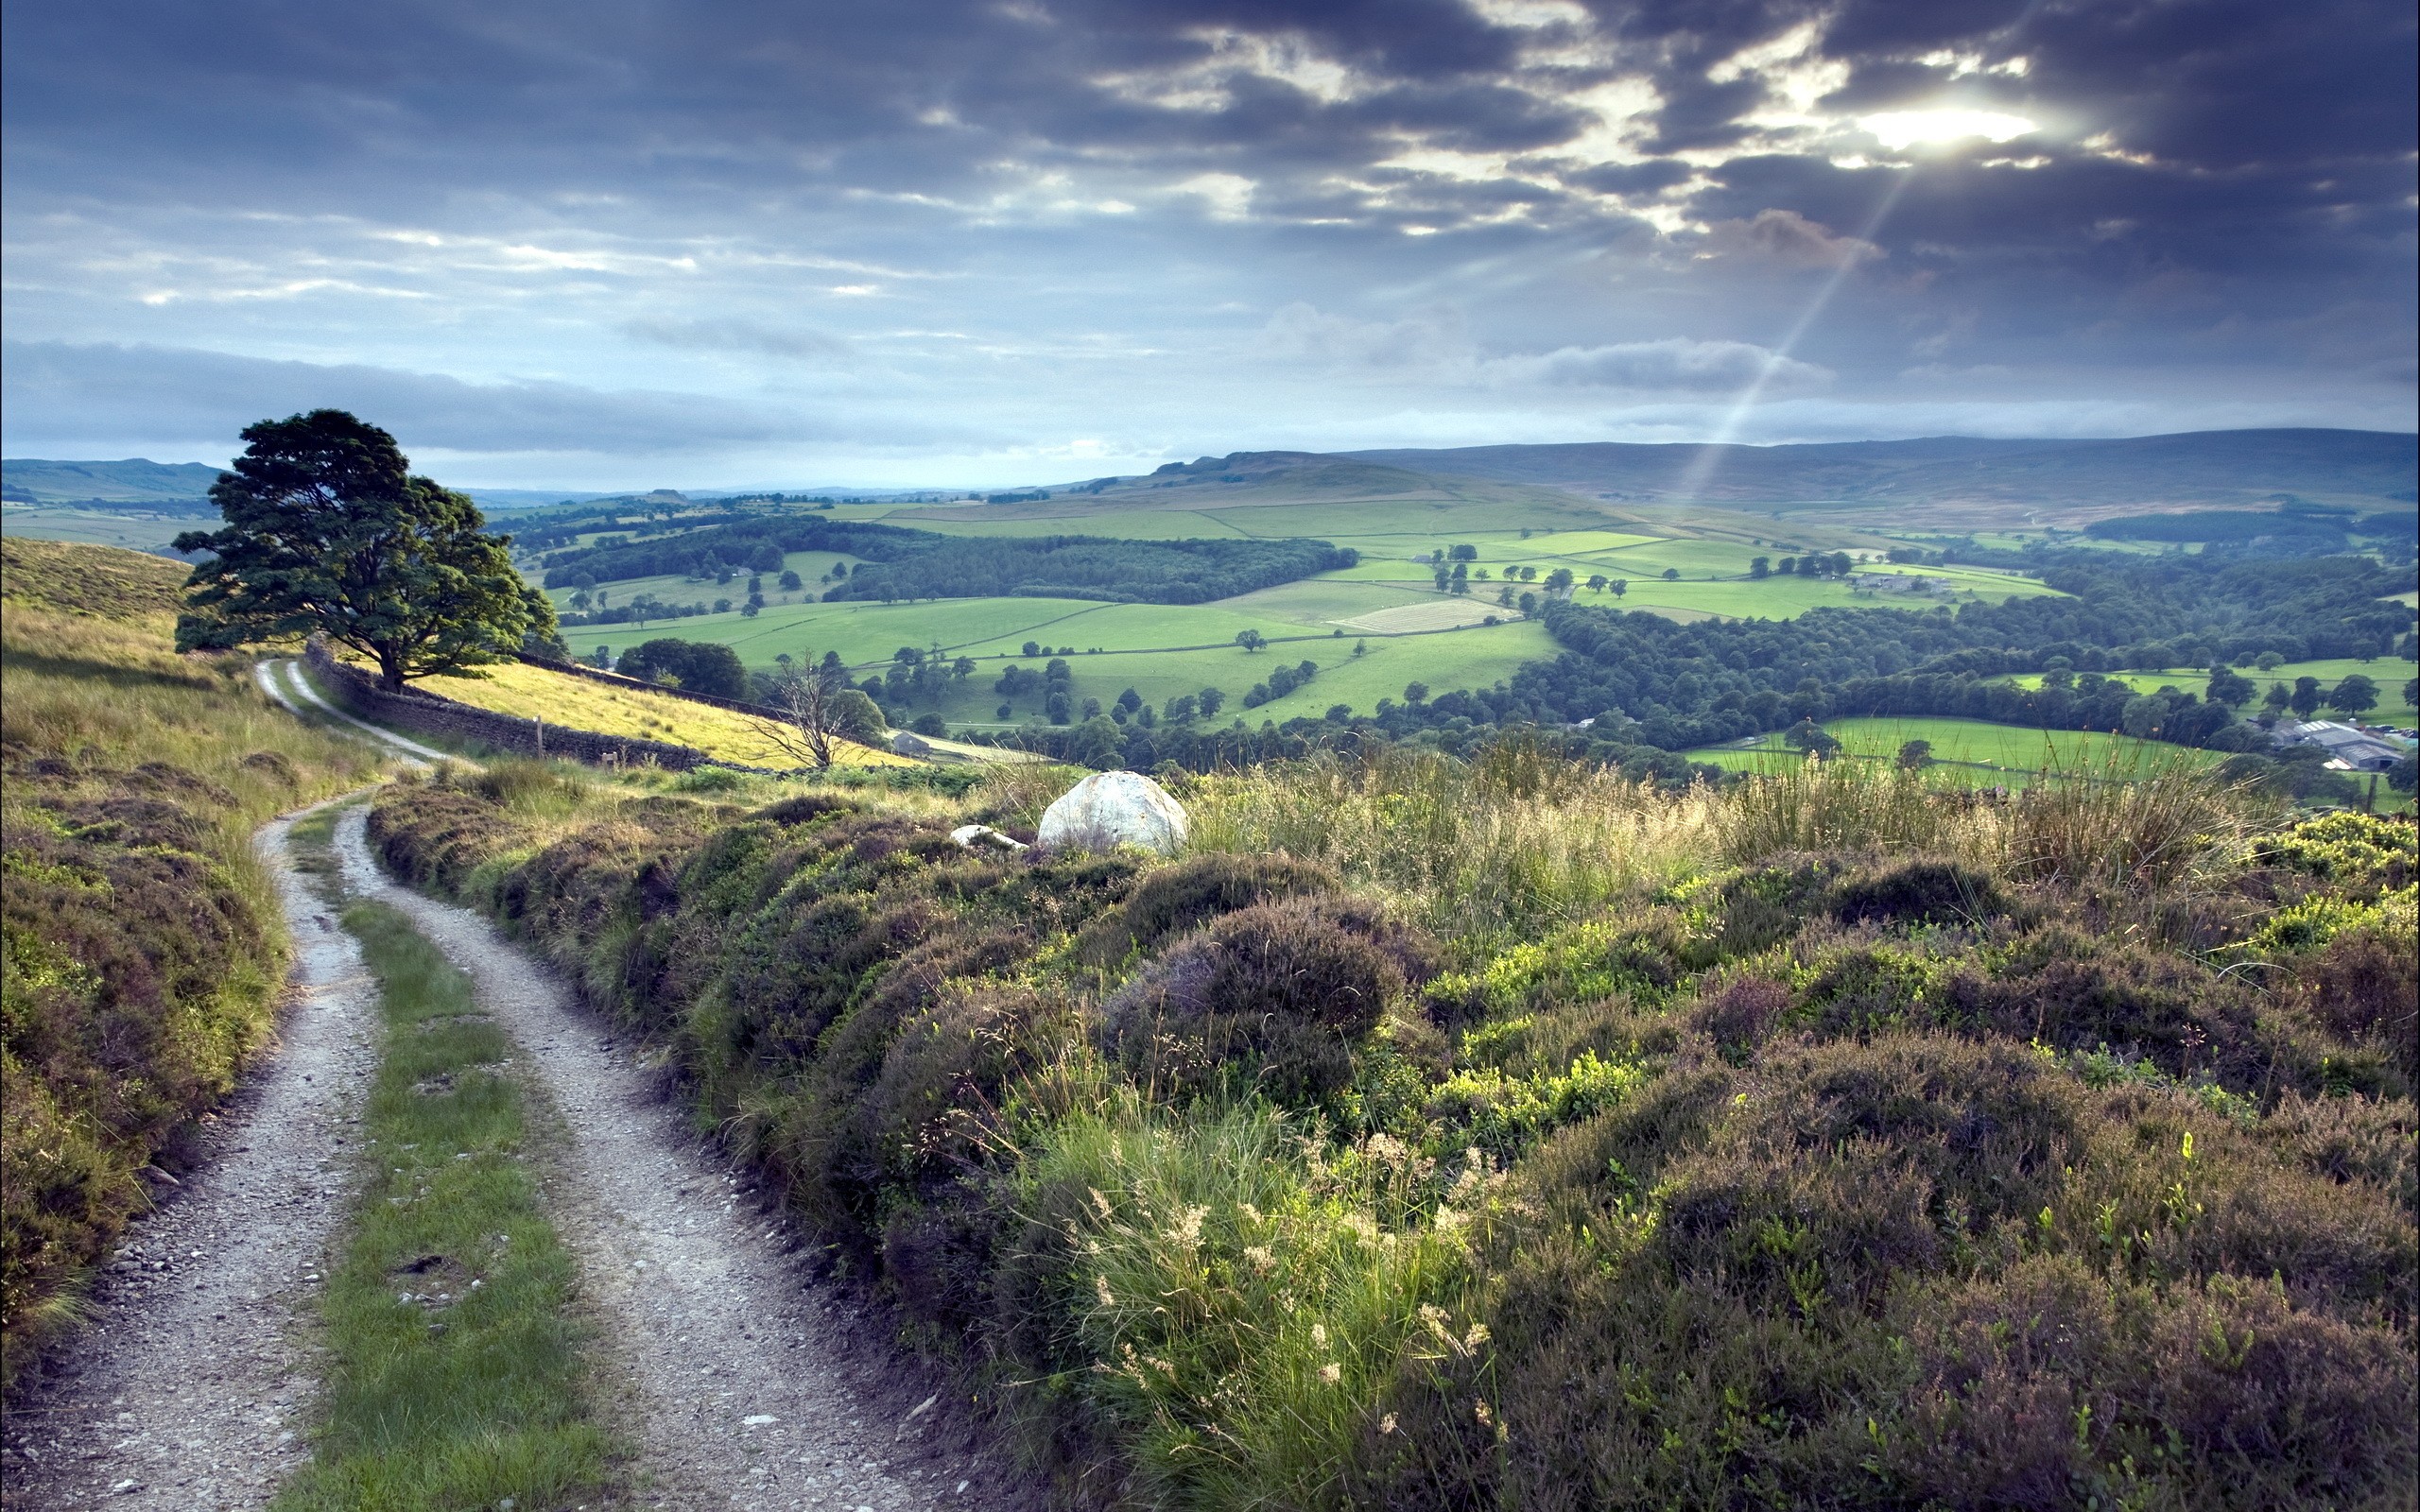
<point>143,950</point>
<point>2159,828</point>
<point>1816,806</point>
<point>1241,1294</point>
<point>1494,848</point>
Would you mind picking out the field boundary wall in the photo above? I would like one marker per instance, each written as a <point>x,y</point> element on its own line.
<point>615,679</point>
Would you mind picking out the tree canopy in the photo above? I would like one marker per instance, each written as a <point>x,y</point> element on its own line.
<point>329,531</point>
<point>698,666</point>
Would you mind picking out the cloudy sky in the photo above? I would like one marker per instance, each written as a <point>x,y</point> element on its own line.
<point>630,243</point>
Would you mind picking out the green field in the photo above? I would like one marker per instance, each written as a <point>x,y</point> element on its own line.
<point>137,532</point>
<point>2388,672</point>
<point>1458,659</point>
<point>1978,745</point>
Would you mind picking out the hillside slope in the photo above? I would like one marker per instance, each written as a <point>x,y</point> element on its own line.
<point>142,953</point>
<point>2075,478</point>
<point>133,481</point>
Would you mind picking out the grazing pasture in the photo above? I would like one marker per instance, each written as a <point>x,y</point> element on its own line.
<point>2009,750</point>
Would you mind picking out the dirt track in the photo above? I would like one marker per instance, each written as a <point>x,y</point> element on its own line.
<point>190,1387</point>
<point>747,1388</point>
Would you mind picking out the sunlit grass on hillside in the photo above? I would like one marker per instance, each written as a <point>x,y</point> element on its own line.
<point>534,693</point>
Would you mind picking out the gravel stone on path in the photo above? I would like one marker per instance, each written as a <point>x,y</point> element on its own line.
<point>190,1387</point>
<point>751,1388</point>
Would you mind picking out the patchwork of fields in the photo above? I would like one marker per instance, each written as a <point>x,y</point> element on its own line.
<point>1388,601</point>
<point>134,530</point>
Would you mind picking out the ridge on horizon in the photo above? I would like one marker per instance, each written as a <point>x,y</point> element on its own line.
<point>2282,460</point>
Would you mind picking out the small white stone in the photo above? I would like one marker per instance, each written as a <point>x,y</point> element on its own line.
<point>982,837</point>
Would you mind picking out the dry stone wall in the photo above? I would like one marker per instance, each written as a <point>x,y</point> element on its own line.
<point>615,679</point>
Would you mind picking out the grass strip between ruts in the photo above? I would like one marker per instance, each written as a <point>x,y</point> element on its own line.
<point>455,1376</point>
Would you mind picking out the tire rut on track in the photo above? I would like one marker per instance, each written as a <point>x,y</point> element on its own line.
<point>750,1387</point>
<point>190,1385</point>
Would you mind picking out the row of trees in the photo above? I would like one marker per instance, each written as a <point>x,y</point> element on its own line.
<point>898,565</point>
<point>1814,564</point>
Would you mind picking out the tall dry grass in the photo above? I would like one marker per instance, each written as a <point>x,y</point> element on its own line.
<point>2159,828</point>
<point>1519,839</point>
<point>1511,843</point>
<point>1842,805</point>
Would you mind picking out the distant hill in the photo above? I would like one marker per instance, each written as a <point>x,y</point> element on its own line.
<point>134,481</point>
<point>2062,480</point>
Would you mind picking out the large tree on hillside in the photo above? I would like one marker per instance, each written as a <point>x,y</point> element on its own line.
<point>327,530</point>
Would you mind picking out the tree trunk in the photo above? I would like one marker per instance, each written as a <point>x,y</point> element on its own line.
<point>390,670</point>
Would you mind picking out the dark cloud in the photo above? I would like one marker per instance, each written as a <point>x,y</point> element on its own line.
<point>663,194</point>
<point>1787,238</point>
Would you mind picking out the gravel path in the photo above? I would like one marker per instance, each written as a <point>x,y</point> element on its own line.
<point>285,683</point>
<point>751,1388</point>
<point>189,1386</point>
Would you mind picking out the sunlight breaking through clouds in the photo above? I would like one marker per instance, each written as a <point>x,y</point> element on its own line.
<point>1899,130</point>
<point>1107,208</point>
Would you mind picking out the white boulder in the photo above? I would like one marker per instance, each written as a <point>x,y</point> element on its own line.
<point>1111,809</point>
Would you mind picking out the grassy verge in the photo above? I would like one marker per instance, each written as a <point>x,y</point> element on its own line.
<point>143,952</point>
<point>458,1379</point>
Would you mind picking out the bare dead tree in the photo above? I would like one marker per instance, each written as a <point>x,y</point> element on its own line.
<point>806,702</point>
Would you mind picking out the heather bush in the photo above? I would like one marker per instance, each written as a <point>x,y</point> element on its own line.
<point>1274,999</point>
<point>1176,898</point>
<point>1917,890</point>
